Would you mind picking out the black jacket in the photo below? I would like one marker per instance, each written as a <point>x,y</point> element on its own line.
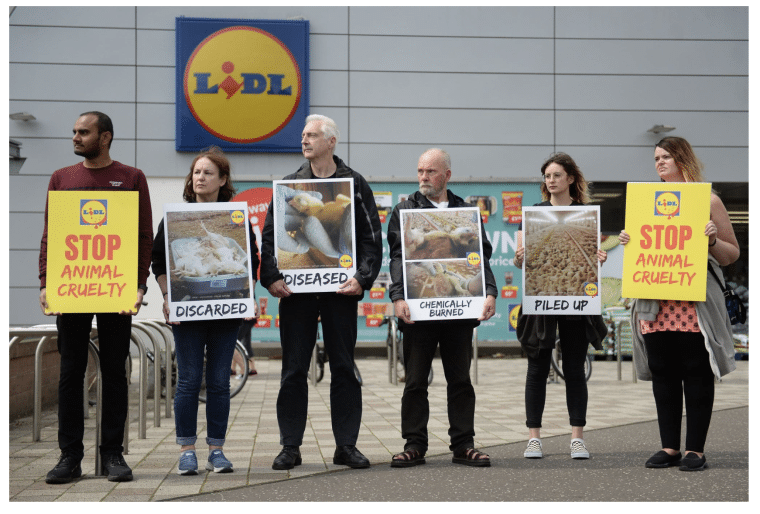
<point>369,246</point>
<point>419,201</point>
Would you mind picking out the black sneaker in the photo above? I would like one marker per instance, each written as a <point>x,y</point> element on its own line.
<point>67,469</point>
<point>115,468</point>
<point>663,459</point>
<point>693,462</point>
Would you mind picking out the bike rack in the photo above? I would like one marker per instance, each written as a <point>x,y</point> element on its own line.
<point>143,385</point>
<point>475,354</point>
<point>168,336</point>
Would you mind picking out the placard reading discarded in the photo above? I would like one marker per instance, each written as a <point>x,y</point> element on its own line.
<point>666,258</point>
<point>314,233</point>
<point>442,254</point>
<point>561,266</point>
<point>209,266</point>
<point>92,251</point>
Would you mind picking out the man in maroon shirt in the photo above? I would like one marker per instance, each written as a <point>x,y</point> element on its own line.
<point>93,133</point>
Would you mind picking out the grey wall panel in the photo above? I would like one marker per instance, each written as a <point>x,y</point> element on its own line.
<point>653,57</point>
<point>155,85</point>
<point>103,46</point>
<point>652,93</point>
<point>321,19</point>
<point>600,128</point>
<point>511,163</point>
<point>56,119</point>
<point>328,88</point>
<point>89,16</point>
<point>653,22</point>
<point>459,126</point>
<point>44,156</point>
<point>156,48</point>
<point>24,310</point>
<point>25,263</point>
<point>453,21</point>
<point>81,83</point>
<point>452,90</point>
<point>155,122</point>
<point>473,55</point>
<point>35,193</point>
<point>328,52</point>
<point>25,230</point>
<point>636,164</point>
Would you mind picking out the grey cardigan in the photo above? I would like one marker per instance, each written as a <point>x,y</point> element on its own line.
<point>713,323</point>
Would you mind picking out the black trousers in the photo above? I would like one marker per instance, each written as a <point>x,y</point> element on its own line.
<point>113,341</point>
<point>299,315</point>
<point>680,367</point>
<point>420,342</point>
<point>574,347</point>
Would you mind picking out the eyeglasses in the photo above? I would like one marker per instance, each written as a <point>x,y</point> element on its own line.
<point>555,176</point>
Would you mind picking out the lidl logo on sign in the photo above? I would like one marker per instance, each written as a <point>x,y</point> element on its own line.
<point>241,84</point>
<point>667,203</point>
<point>93,212</point>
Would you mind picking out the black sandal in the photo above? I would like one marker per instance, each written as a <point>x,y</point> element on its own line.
<point>471,457</point>
<point>407,459</point>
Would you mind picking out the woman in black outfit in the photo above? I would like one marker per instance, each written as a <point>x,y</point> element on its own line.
<point>563,185</point>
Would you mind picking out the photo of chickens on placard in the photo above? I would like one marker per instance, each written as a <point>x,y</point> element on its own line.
<point>561,266</point>
<point>314,233</point>
<point>443,269</point>
<point>209,269</point>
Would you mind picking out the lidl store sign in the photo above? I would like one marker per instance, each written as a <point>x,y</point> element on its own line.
<point>241,84</point>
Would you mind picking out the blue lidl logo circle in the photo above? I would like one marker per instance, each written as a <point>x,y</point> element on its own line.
<point>514,311</point>
<point>591,289</point>
<point>667,203</point>
<point>473,259</point>
<point>93,212</point>
<point>237,217</point>
<point>242,84</point>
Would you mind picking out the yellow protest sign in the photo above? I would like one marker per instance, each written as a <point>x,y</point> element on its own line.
<point>666,258</point>
<point>92,251</point>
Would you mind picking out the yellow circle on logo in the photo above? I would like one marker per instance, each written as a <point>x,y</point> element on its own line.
<point>513,316</point>
<point>667,204</point>
<point>473,259</point>
<point>346,261</point>
<point>237,217</point>
<point>591,289</point>
<point>93,212</point>
<point>242,84</point>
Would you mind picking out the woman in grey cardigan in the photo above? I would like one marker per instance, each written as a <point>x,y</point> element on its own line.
<point>683,347</point>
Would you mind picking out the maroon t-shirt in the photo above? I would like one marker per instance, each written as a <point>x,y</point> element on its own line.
<point>114,177</point>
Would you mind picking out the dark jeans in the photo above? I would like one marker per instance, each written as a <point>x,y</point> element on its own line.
<point>574,347</point>
<point>216,339</point>
<point>299,315</point>
<point>680,367</point>
<point>420,342</point>
<point>113,341</point>
<point>244,336</point>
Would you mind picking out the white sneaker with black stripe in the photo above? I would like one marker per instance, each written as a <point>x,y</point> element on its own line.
<point>534,449</point>
<point>578,449</point>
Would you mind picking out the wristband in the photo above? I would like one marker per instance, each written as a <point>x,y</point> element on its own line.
<point>713,243</point>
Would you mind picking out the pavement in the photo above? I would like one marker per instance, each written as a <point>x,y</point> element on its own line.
<point>621,433</point>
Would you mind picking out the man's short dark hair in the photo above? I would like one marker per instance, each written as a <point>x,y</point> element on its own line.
<point>104,123</point>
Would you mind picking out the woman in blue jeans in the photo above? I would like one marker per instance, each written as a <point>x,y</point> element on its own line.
<point>209,180</point>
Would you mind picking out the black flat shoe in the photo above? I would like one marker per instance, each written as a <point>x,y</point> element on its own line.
<point>289,457</point>
<point>67,469</point>
<point>663,459</point>
<point>351,457</point>
<point>693,462</point>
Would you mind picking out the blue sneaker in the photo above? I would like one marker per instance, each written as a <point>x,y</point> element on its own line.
<point>188,464</point>
<point>218,463</point>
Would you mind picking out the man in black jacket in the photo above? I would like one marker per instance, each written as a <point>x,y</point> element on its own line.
<point>422,337</point>
<point>299,313</point>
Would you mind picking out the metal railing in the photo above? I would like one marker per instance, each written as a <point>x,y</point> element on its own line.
<point>619,323</point>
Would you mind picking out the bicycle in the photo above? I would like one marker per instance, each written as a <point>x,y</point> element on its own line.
<point>400,367</point>
<point>237,379</point>
<point>557,362</point>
